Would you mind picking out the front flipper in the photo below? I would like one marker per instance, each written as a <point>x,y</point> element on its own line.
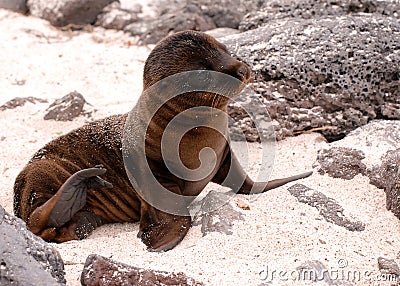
<point>69,199</point>
<point>73,194</point>
<point>161,231</point>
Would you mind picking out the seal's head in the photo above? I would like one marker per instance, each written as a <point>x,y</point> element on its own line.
<point>189,51</point>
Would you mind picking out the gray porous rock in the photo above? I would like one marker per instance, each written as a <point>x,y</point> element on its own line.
<point>99,270</point>
<point>250,118</point>
<point>26,259</point>
<point>331,74</point>
<point>387,177</point>
<point>189,17</point>
<point>66,108</point>
<point>201,15</point>
<point>309,9</point>
<point>341,162</point>
<point>114,17</point>
<point>372,150</point>
<point>367,144</point>
<point>224,13</point>
<point>62,13</point>
<point>329,209</point>
<point>229,13</point>
<point>14,5</point>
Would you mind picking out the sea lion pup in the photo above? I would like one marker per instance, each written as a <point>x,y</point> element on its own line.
<point>60,193</point>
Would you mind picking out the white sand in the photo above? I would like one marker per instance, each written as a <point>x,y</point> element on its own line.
<point>278,232</point>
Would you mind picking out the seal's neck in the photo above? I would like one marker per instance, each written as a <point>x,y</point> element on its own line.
<point>197,99</point>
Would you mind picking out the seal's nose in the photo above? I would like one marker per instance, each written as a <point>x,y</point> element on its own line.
<point>243,72</point>
<point>235,68</point>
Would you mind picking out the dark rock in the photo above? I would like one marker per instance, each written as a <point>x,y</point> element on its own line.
<point>99,270</point>
<point>224,13</point>
<point>189,17</point>
<point>380,142</point>
<point>242,125</point>
<point>391,110</point>
<point>389,267</point>
<point>20,101</point>
<point>26,259</point>
<point>162,7</point>
<point>334,73</point>
<point>387,177</point>
<point>328,207</point>
<point>14,5</point>
<point>341,162</point>
<point>62,13</point>
<point>230,13</point>
<point>66,108</point>
<point>224,17</point>
<point>375,139</point>
<point>201,15</point>
<point>250,118</point>
<point>308,9</point>
<point>215,214</point>
<point>114,17</point>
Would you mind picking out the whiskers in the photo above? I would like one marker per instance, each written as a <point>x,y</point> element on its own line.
<point>214,104</point>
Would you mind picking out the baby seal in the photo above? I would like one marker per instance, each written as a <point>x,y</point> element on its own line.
<point>60,193</point>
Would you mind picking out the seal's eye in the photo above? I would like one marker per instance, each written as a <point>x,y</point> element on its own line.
<point>205,64</point>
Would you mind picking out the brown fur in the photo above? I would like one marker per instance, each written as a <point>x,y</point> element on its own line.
<point>40,184</point>
<point>93,144</point>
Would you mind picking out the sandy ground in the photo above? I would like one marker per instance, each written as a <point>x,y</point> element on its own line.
<point>278,233</point>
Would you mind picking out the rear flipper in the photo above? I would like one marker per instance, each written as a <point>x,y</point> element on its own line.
<point>250,187</point>
<point>232,175</point>
<point>262,187</point>
<point>79,227</point>
<point>69,199</point>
